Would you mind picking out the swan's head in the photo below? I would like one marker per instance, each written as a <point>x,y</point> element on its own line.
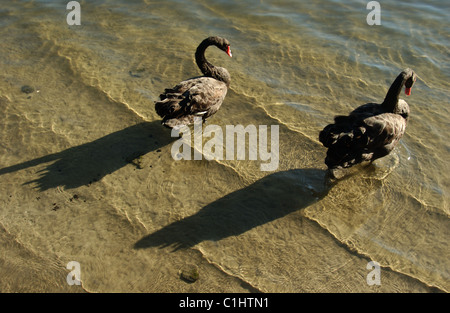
<point>221,43</point>
<point>411,79</point>
<point>225,46</point>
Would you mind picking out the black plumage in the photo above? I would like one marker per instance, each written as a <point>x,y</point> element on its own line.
<point>198,96</point>
<point>371,131</point>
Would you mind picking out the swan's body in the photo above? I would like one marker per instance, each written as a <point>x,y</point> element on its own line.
<point>371,131</point>
<point>199,96</point>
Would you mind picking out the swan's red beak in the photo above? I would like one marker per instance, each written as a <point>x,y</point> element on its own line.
<point>407,91</point>
<point>229,51</point>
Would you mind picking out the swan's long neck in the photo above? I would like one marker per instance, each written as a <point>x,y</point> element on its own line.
<point>391,100</point>
<point>207,68</point>
<point>204,66</point>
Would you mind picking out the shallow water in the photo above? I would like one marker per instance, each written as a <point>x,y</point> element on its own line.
<point>87,175</point>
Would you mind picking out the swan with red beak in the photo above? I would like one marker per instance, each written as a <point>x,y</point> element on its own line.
<point>369,132</point>
<point>198,96</point>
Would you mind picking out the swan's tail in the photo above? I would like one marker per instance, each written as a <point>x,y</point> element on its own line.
<point>339,131</point>
<point>346,144</point>
<point>172,108</point>
<point>170,104</point>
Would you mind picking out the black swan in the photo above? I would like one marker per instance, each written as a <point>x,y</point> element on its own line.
<point>369,132</point>
<point>199,96</point>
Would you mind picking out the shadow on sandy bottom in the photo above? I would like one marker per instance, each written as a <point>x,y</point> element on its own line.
<point>86,163</point>
<point>268,199</point>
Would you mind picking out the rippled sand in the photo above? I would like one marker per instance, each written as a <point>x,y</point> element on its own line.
<point>86,172</point>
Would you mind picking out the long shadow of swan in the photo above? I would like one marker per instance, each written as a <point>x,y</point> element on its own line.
<point>268,199</point>
<point>90,162</point>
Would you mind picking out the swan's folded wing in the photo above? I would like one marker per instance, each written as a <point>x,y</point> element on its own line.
<point>197,96</point>
<point>205,96</point>
<point>384,129</point>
